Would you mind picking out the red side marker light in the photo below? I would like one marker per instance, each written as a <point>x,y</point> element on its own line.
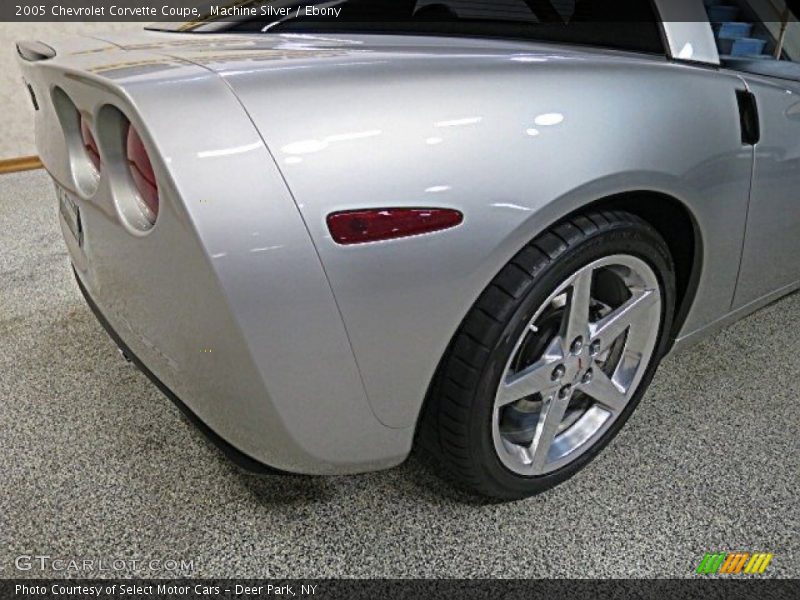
<point>364,226</point>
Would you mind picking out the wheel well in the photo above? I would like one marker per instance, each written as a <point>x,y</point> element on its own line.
<point>675,223</point>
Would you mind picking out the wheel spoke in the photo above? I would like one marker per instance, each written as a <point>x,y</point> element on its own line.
<point>577,319</point>
<point>534,379</point>
<point>633,312</point>
<point>550,418</point>
<point>603,389</point>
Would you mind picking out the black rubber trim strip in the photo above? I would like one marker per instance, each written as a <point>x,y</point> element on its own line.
<point>33,96</point>
<point>239,458</point>
<point>748,117</point>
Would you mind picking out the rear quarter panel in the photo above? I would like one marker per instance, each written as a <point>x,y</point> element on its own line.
<point>516,139</point>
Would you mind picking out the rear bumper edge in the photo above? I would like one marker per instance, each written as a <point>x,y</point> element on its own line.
<point>239,458</point>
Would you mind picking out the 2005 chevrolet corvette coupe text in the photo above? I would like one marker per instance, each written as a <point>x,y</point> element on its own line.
<point>476,229</point>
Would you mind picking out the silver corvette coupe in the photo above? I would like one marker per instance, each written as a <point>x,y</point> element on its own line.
<point>470,228</point>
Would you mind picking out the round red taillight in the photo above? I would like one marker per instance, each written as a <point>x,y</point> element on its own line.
<point>141,170</point>
<point>89,143</point>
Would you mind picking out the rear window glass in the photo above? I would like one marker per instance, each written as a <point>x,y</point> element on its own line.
<point>619,24</point>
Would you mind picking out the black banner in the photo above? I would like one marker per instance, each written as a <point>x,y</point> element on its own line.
<point>545,12</point>
<point>707,589</point>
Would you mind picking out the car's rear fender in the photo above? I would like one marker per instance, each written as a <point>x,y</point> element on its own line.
<point>516,138</point>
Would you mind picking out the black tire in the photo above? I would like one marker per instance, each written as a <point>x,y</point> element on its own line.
<point>456,424</point>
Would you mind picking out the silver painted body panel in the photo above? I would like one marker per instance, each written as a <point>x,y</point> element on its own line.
<point>323,354</point>
<point>493,146</point>
<point>770,256</point>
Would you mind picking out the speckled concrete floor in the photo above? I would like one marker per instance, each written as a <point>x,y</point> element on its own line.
<point>96,463</point>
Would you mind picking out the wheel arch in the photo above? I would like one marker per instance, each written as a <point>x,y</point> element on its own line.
<point>676,223</point>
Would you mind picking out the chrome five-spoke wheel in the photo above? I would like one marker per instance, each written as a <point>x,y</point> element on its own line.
<point>575,368</point>
<point>554,356</point>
